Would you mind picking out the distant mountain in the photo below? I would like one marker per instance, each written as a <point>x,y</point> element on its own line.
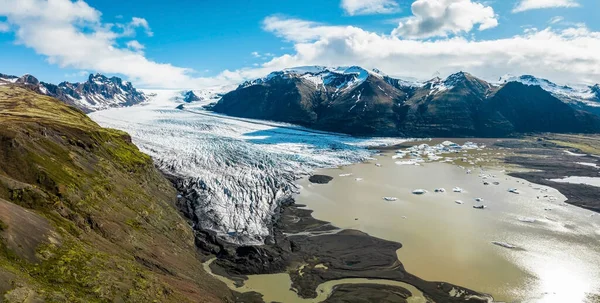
<point>580,97</point>
<point>98,92</point>
<point>203,96</point>
<point>358,101</point>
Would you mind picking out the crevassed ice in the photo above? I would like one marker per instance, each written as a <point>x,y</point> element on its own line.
<point>239,169</point>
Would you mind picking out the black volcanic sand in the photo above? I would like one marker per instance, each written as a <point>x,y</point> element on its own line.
<point>550,161</point>
<point>366,293</point>
<point>320,179</point>
<point>302,240</point>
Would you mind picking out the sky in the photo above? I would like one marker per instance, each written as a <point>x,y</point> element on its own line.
<point>202,43</point>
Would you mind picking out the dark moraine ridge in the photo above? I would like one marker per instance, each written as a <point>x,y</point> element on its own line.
<point>366,293</point>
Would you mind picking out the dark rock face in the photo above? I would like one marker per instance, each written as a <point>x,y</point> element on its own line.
<point>98,92</point>
<point>364,103</point>
<point>189,96</point>
<point>320,179</point>
<point>28,79</point>
<point>596,90</point>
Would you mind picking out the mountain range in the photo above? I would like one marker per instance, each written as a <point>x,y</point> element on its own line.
<point>97,93</point>
<point>363,102</point>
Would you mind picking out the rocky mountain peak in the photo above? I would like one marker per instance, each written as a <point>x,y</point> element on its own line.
<point>98,92</point>
<point>28,79</point>
<point>190,96</point>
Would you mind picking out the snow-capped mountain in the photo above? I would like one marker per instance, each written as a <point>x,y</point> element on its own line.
<point>321,76</point>
<point>97,93</point>
<point>366,102</point>
<point>7,79</point>
<point>588,95</point>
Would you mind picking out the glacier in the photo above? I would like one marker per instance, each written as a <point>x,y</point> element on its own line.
<point>237,170</point>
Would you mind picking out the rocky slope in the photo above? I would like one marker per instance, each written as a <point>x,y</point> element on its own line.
<point>97,93</point>
<point>85,216</point>
<point>360,102</point>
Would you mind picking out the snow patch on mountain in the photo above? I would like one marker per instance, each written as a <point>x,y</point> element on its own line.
<point>584,94</point>
<point>341,77</point>
<point>239,170</point>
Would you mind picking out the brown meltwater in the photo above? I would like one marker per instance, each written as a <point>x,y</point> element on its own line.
<point>277,287</point>
<point>525,247</point>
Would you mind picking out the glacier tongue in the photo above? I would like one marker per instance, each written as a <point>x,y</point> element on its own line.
<point>238,170</point>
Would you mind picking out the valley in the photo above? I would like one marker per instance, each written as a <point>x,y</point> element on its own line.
<point>281,238</point>
<point>370,215</point>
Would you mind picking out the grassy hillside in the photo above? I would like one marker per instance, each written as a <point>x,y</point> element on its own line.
<point>85,216</point>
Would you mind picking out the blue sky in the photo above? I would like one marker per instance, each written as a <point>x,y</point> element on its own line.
<point>212,42</point>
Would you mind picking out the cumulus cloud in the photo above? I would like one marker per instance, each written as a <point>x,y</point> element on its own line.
<point>525,5</point>
<point>369,7</point>
<point>443,17</point>
<point>568,55</point>
<point>4,27</point>
<point>141,22</point>
<point>135,45</point>
<point>71,34</point>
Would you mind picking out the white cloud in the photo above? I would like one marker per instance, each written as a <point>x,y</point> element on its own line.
<point>525,5</point>
<point>255,54</point>
<point>556,19</point>
<point>568,55</point>
<point>369,7</point>
<point>72,35</point>
<point>141,22</point>
<point>443,17</point>
<point>135,45</point>
<point>4,27</point>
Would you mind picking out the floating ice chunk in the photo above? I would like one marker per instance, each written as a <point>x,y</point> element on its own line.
<point>513,190</point>
<point>378,164</point>
<point>345,175</point>
<point>358,179</point>
<point>504,244</point>
<point>440,190</point>
<point>527,219</point>
<point>457,190</point>
<point>419,191</point>
<point>407,162</point>
<point>479,206</point>
<point>390,198</point>
<point>479,199</point>
<point>459,202</point>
